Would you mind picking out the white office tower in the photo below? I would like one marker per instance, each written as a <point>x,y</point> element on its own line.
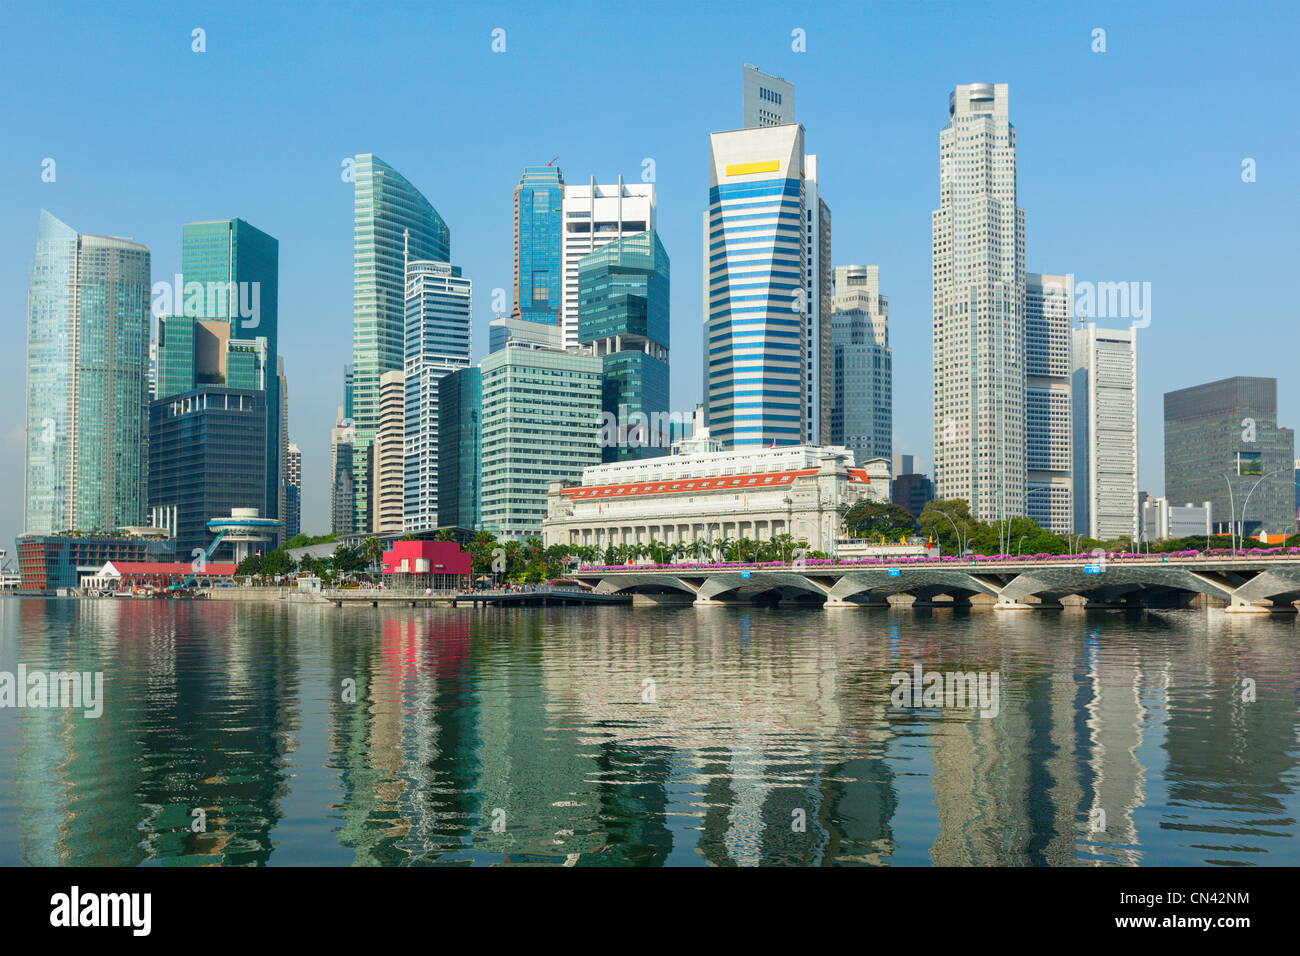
<point>978,308</point>
<point>755,296</point>
<point>768,100</point>
<point>387,457</point>
<point>438,342</point>
<point>818,371</point>
<point>1048,414</point>
<point>1105,432</point>
<point>862,412</point>
<point>595,215</point>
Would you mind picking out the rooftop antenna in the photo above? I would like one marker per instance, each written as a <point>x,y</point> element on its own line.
<point>552,162</point>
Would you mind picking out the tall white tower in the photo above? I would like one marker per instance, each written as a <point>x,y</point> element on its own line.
<point>978,308</point>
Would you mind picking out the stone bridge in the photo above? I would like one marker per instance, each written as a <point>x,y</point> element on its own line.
<point>1241,584</point>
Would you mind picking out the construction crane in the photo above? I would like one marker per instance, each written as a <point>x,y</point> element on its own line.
<point>195,566</point>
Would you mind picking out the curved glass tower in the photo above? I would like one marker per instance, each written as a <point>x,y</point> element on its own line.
<point>390,218</point>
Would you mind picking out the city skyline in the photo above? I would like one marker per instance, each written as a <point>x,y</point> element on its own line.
<point>315,348</point>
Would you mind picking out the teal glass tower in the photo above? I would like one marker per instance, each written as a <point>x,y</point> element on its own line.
<point>623,317</point>
<point>460,449</point>
<point>391,221</point>
<point>226,330</point>
<point>539,232</point>
<point>87,382</point>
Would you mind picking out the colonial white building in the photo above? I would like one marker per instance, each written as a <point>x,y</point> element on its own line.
<point>700,493</point>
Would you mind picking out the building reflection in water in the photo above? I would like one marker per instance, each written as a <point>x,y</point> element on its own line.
<point>710,736</point>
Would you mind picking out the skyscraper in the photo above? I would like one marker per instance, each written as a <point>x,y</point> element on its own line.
<point>293,492</point>
<point>593,216</point>
<point>342,485</point>
<point>1223,445</point>
<point>1048,414</point>
<point>623,317</point>
<point>237,266</point>
<point>386,457</point>
<point>207,456</point>
<point>539,225</point>
<point>87,381</point>
<point>767,100</point>
<point>756,294</point>
<point>439,316</point>
<point>541,415</point>
<point>460,449</point>
<point>1103,391</point>
<point>978,253</point>
<point>391,219</point>
<point>862,406</point>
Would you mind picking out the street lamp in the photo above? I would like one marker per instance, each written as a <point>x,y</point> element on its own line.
<point>1252,491</point>
<point>1232,528</point>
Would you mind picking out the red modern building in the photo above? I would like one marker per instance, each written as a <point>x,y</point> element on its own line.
<point>439,565</point>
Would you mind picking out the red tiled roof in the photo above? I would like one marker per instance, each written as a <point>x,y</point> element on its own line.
<point>681,486</point>
<point>858,474</point>
<point>168,567</point>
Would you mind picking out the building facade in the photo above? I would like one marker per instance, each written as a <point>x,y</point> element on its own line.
<point>342,485</point>
<point>293,492</point>
<point>439,317</point>
<point>1104,399</point>
<point>1162,520</point>
<point>756,297</point>
<point>392,222</point>
<point>539,232</point>
<point>594,215</point>
<point>714,496</point>
<point>460,449</point>
<point>207,457</point>
<point>766,100</point>
<point>88,309</point>
<point>237,268</point>
<point>978,249</point>
<point>50,562</point>
<point>862,405</point>
<point>387,459</point>
<point>1049,446</point>
<point>623,319</point>
<point>1223,445</point>
<point>540,423</point>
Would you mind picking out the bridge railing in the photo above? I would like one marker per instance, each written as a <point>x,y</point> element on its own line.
<point>954,561</point>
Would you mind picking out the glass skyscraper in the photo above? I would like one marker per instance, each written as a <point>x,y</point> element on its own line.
<point>438,342</point>
<point>391,221</point>
<point>623,317</point>
<point>223,336</point>
<point>87,381</point>
<point>539,230</point>
<point>460,449</point>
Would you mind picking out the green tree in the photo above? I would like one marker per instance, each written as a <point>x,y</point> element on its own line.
<point>250,567</point>
<point>872,519</point>
<point>347,560</point>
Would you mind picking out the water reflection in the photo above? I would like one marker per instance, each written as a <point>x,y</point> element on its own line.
<point>684,736</point>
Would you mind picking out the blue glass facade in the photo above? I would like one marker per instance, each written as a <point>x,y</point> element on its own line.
<point>460,449</point>
<point>539,230</point>
<point>623,313</point>
<point>207,456</point>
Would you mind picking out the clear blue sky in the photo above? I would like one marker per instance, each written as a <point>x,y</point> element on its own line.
<point>1129,160</point>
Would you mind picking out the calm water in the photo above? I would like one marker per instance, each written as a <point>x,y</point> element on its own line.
<point>629,736</point>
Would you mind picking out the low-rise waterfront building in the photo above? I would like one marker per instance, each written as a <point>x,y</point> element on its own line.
<point>51,562</point>
<point>703,494</point>
<point>438,565</point>
<point>1161,520</point>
